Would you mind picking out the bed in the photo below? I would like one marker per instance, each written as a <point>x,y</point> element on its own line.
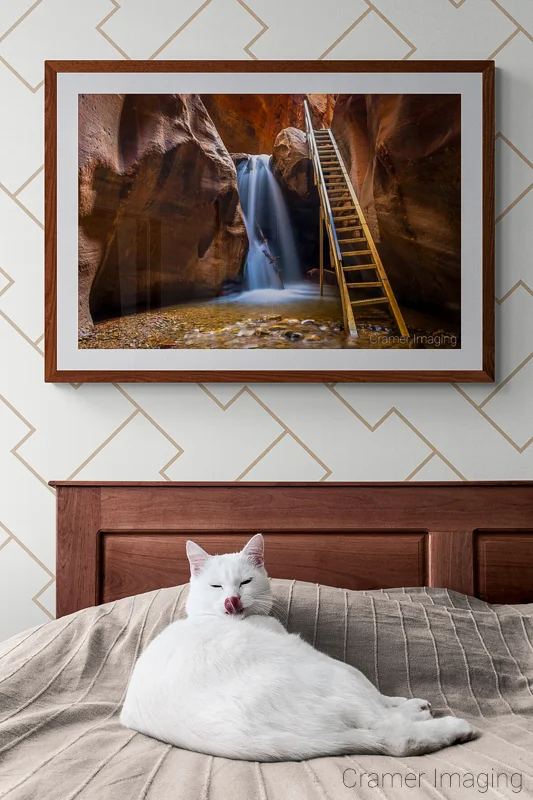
<point>427,588</point>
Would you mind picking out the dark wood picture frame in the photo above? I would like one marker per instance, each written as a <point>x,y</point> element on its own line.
<point>53,374</point>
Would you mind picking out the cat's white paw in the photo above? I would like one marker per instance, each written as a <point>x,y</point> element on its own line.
<point>458,731</point>
<point>416,709</point>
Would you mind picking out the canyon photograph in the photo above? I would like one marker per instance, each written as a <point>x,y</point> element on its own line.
<point>252,221</point>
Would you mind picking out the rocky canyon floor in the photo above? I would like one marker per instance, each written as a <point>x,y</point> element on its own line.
<point>293,318</point>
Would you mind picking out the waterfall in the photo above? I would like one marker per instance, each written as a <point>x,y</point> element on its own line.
<point>272,260</point>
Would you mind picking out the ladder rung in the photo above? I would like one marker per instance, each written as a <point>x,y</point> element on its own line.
<point>350,228</point>
<point>359,267</point>
<point>366,285</point>
<point>348,216</point>
<point>345,241</point>
<point>341,208</point>
<point>370,302</point>
<point>357,253</point>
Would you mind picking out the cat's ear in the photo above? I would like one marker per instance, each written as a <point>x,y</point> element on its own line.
<point>197,557</point>
<point>254,550</point>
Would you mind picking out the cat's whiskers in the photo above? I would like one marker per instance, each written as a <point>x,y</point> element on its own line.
<point>280,606</point>
<point>267,606</point>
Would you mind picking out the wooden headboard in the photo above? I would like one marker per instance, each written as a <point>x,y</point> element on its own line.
<point>120,539</point>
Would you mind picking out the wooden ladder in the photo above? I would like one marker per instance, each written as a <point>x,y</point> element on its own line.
<point>349,236</point>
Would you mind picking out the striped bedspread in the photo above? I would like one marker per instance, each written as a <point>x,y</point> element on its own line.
<point>61,687</point>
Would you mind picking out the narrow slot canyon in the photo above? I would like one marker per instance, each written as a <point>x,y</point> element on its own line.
<point>200,220</point>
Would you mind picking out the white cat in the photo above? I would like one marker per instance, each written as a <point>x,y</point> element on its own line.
<point>230,681</point>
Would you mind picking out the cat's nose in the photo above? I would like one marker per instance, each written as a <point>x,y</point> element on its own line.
<point>233,605</point>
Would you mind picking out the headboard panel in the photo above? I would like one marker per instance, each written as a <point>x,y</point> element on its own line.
<point>119,539</point>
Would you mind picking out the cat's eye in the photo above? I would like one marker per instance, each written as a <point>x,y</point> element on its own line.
<point>245,582</point>
<point>215,586</point>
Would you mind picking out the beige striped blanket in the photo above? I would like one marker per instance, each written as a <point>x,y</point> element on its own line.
<point>61,687</point>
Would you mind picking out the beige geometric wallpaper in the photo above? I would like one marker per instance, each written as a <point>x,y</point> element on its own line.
<point>257,432</point>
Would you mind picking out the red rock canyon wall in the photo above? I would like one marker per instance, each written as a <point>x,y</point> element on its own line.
<point>159,212</point>
<point>403,155</point>
<point>249,123</point>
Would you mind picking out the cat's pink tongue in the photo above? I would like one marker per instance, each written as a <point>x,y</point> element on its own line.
<point>233,605</point>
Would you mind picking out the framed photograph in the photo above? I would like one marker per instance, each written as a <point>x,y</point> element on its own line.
<point>269,221</point>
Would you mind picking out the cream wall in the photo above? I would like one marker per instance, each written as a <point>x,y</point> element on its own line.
<point>229,432</point>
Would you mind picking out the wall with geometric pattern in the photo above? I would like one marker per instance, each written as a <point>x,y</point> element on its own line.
<point>258,432</point>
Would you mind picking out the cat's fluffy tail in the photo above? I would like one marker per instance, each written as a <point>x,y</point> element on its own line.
<point>287,746</point>
<point>396,737</point>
